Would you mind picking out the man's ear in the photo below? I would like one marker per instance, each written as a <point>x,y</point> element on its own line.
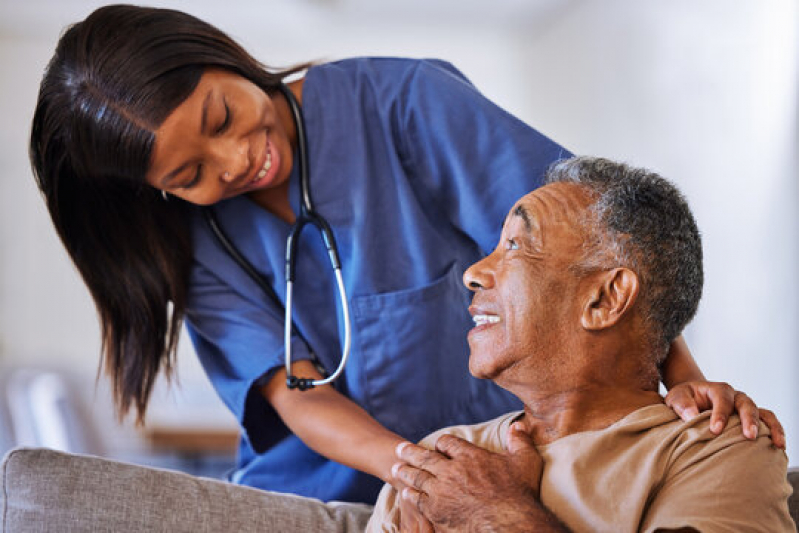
<point>612,293</point>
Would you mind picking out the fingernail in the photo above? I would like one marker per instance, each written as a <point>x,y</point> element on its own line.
<point>717,426</point>
<point>395,469</point>
<point>690,413</point>
<point>406,493</point>
<point>753,431</point>
<point>400,447</point>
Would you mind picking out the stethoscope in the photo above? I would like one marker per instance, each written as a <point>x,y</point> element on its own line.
<point>308,215</point>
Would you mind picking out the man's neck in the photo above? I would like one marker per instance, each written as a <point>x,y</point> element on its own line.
<point>552,415</point>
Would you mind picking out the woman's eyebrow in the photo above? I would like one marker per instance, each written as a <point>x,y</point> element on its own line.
<point>206,105</point>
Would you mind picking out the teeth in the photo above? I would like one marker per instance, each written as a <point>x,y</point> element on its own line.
<point>479,320</point>
<point>266,167</point>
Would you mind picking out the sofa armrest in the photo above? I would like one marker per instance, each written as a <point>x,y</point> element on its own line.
<point>47,490</point>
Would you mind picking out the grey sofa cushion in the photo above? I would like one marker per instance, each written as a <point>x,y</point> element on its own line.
<point>45,490</point>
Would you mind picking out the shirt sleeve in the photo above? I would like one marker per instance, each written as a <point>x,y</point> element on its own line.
<point>474,158</point>
<point>725,484</point>
<point>238,336</point>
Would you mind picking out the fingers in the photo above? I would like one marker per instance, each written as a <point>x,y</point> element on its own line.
<point>777,433</point>
<point>452,446</point>
<point>682,401</point>
<point>416,455</point>
<point>722,397</point>
<point>411,520</point>
<point>749,414</point>
<point>417,499</point>
<point>519,441</point>
<point>416,470</point>
<point>411,476</point>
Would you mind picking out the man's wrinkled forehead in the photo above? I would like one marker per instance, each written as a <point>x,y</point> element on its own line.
<point>551,204</point>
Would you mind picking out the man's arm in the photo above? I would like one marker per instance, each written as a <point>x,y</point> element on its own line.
<point>460,487</point>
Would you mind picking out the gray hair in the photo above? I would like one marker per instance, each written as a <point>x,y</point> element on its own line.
<point>640,221</point>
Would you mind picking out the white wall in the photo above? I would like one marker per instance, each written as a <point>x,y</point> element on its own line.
<point>703,91</point>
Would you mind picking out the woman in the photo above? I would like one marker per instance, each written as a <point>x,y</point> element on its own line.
<point>146,115</point>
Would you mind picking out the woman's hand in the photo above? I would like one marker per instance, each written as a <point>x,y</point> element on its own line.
<point>689,398</point>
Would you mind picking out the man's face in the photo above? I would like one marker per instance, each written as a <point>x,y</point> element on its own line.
<point>526,298</point>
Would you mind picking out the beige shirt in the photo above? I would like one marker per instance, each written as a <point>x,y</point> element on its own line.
<point>647,471</point>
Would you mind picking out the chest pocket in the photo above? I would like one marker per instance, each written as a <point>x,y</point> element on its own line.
<point>415,355</point>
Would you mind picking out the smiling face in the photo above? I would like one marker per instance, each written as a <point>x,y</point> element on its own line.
<point>227,138</point>
<point>527,300</point>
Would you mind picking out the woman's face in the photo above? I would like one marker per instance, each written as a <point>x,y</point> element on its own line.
<point>227,138</point>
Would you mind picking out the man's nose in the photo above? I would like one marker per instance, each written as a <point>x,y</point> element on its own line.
<point>479,275</point>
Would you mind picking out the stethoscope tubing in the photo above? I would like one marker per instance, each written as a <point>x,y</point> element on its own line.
<point>307,216</point>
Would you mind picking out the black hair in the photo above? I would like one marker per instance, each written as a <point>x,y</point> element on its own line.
<point>114,78</point>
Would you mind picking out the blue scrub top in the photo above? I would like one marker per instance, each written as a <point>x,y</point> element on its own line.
<point>415,171</point>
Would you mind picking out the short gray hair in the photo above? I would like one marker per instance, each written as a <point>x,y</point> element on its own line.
<point>640,221</point>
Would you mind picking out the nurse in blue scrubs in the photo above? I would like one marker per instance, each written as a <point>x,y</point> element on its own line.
<point>412,167</point>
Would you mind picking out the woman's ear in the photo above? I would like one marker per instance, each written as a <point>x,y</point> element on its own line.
<point>610,295</point>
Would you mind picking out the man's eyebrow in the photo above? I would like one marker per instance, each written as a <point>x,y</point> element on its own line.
<point>520,211</point>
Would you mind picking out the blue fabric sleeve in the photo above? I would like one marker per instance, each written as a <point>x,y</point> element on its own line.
<point>238,336</point>
<point>474,159</point>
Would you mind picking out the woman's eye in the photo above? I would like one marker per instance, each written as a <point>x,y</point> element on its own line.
<point>225,123</point>
<point>195,180</point>
<point>511,244</point>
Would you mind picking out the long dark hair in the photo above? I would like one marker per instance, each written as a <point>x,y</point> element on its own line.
<point>113,80</point>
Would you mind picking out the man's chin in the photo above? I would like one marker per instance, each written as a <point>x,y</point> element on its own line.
<point>480,370</point>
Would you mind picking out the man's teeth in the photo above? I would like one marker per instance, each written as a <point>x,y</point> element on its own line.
<point>266,167</point>
<point>479,320</point>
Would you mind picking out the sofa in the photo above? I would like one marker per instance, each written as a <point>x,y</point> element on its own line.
<point>50,491</point>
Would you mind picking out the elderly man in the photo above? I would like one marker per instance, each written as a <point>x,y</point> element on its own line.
<point>594,275</point>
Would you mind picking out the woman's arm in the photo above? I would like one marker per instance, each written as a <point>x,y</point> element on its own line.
<point>679,365</point>
<point>690,393</point>
<point>333,425</point>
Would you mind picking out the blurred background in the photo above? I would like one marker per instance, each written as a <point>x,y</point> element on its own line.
<point>703,91</point>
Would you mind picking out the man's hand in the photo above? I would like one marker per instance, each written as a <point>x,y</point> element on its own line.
<point>689,398</point>
<point>460,487</point>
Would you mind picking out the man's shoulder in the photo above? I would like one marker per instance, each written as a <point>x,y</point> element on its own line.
<point>738,473</point>
<point>658,429</point>
<point>652,470</point>
<point>490,435</point>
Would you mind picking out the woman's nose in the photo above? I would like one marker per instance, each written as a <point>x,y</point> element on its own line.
<point>234,160</point>
<point>479,275</point>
